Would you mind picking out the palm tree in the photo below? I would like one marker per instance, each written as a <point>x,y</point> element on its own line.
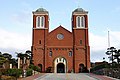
<point>13,61</point>
<point>29,53</point>
<point>22,57</point>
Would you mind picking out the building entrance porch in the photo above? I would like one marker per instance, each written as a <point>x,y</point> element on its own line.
<point>60,68</point>
<point>60,65</point>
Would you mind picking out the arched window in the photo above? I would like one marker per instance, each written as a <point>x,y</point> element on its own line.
<point>70,53</point>
<point>50,54</point>
<point>80,42</point>
<point>40,22</point>
<point>39,41</point>
<point>80,21</point>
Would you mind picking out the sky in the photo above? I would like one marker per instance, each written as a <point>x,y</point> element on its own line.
<point>16,23</point>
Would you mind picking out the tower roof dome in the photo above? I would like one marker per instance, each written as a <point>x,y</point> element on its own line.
<point>41,10</point>
<point>79,10</point>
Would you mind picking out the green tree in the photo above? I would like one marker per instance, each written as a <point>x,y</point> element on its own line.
<point>111,51</point>
<point>29,72</point>
<point>0,53</point>
<point>2,60</point>
<point>14,72</point>
<point>29,53</point>
<point>7,55</point>
<point>117,56</point>
<point>13,61</point>
<point>35,68</point>
<point>21,55</point>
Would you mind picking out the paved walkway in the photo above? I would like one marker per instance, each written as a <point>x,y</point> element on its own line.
<point>101,77</point>
<point>32,77</point>
<point>67,76</point>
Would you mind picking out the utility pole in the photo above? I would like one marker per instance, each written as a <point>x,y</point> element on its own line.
<point>108,39</point>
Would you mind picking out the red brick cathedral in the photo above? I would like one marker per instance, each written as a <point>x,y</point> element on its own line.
<point>61,51</point>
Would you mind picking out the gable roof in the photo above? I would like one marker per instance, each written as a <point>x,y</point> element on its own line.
<point>60,27</point>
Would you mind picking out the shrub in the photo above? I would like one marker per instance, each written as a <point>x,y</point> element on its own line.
<point>49,70</point>
<point>2,71</point>
<point>98,67</point>
<point>35,68</point>
<point>14,72</point>
<point>29,72</point>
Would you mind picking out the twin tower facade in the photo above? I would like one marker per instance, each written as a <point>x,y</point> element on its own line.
<point>61,51</point>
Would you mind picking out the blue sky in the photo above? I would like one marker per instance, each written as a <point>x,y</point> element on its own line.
<point>16,22</point>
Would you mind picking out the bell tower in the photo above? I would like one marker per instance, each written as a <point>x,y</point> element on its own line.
<point>40,31</point>
<point>81,49</point>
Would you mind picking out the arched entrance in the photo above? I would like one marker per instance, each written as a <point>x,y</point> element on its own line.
<point>60,65</point>
<point>40,65</point>
<point>60,68</point>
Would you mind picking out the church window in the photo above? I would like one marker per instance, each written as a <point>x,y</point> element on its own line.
<point>40,22</point>
<point>80,42</point>
<point>62,48</point>
<point>80,21</point>
<point>39,41</point>
<point>50,54</point>
<point>60,36</point>
<point>70,53</point>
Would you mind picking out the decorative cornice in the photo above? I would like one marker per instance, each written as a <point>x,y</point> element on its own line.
<point>40,13</point>
<point>40,28</point>
<point>80,13</point>
<point>59,46</point>
<point>80,28</point>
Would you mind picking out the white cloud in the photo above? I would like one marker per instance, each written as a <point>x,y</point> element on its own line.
<point>115,39</point>
<point>10,40</point>
<point>99,44</point>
